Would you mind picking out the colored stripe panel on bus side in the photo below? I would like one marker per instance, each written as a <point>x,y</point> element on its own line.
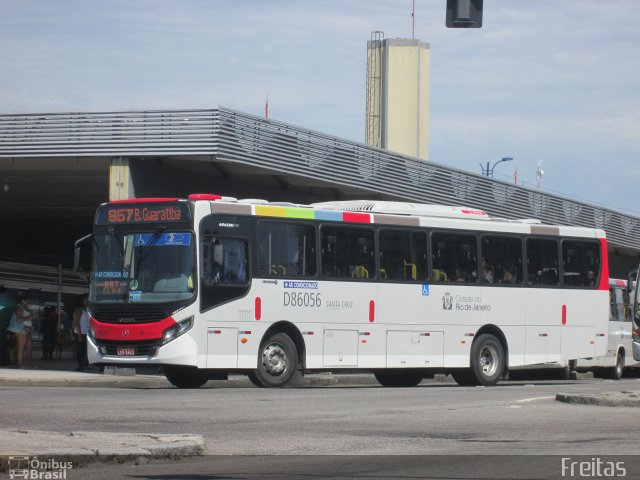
<point>328,215</point>
<point>270,211</point>
<point>306,213</point>
<point>356,217</point>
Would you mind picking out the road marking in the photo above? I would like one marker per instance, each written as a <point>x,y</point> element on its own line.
<point>533,399</point>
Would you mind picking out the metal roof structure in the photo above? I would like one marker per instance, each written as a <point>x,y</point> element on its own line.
<point>241,142</point>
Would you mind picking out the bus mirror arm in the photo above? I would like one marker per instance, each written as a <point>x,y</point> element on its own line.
<point>76,252</point>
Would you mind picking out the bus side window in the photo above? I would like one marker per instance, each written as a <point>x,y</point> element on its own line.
<point>403,255</point>
<point>286,249</point>
<point>618,309</point>
<point>225,261</point>
<point>625,306</point>
<point>542,261</point>
<point>502,260</point>
<point>455,257</point>
<point>347,252</point>
<point>580,263</point>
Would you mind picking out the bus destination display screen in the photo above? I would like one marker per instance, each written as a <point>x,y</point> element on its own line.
<point>110,288</point>
<point>130,213</point>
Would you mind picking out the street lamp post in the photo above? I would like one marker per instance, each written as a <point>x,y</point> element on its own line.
<point>489,170</point>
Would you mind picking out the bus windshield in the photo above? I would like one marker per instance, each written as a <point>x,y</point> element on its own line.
<point>149,267</point>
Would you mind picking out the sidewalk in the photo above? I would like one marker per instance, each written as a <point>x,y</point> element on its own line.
<point>62,373</point>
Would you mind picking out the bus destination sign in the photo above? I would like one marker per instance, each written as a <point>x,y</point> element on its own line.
<point>128,213</point>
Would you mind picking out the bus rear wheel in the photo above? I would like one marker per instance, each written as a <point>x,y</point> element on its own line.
<point>277,362</point>
<point>487,360</point>
<point>398,378</point>
<point>185,377</point>
<point>616,372</point>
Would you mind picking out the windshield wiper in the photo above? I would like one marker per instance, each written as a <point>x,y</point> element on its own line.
<point>144,251</point>
<point>112,234</point>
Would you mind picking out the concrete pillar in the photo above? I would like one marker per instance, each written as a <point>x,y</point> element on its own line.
<point>398,73</point>
<point>120,182</point>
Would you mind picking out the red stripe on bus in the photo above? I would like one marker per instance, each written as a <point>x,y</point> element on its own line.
<point>356,217</point>
<point>604,271</point>
<point>258,308</point>
<point>144,200</point>
<point>564,314</point>
<point>372,311</point>
<point>204,196</point>
<point>129,332</point>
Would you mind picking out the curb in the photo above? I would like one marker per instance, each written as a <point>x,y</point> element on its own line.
<point>93,380</point>
<point>624,398</point>
<point>114,448</point>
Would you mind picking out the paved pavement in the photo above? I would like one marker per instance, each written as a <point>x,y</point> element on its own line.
<point>85,447</point>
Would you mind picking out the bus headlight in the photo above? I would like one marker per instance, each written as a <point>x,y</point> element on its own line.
<point>178,329</point>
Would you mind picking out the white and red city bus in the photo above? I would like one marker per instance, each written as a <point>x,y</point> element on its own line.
<point>210,285</point>
<point>619,353</point>
<point>634,293</point>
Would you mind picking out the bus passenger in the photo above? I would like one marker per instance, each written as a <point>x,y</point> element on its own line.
<point>508,276</point>
<point>487,273</point>
<point>590,279</point>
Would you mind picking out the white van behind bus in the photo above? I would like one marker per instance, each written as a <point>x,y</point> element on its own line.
<point>619,354</point>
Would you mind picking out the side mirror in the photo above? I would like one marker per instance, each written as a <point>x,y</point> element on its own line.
<point>76,252</point>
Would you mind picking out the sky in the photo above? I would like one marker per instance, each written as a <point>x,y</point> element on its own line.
<point>541,81</point>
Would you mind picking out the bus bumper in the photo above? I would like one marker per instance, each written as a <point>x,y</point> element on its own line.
<point>181,351</point>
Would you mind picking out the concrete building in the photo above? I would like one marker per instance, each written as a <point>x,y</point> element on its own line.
<point>398,95</point>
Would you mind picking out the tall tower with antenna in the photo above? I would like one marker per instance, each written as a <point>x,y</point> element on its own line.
<point>539,174</point>
<point>397,95</point>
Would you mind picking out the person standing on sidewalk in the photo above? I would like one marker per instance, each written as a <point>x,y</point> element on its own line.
<point>25,317</point>
<point>7,307</point>
<point>80,330</point>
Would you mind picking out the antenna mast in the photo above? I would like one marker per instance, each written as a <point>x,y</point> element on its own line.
<point>413,21</point>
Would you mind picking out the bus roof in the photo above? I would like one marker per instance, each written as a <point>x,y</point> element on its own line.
<point>382,212</point>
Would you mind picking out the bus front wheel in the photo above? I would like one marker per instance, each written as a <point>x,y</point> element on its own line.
<point>277,361</point>
<point>185,377</point>
<point>487,360</point>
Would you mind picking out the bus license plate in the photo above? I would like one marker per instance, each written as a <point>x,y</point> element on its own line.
<point>126,351</point>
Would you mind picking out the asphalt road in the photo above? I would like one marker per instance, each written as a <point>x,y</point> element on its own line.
<point>514,418</point>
